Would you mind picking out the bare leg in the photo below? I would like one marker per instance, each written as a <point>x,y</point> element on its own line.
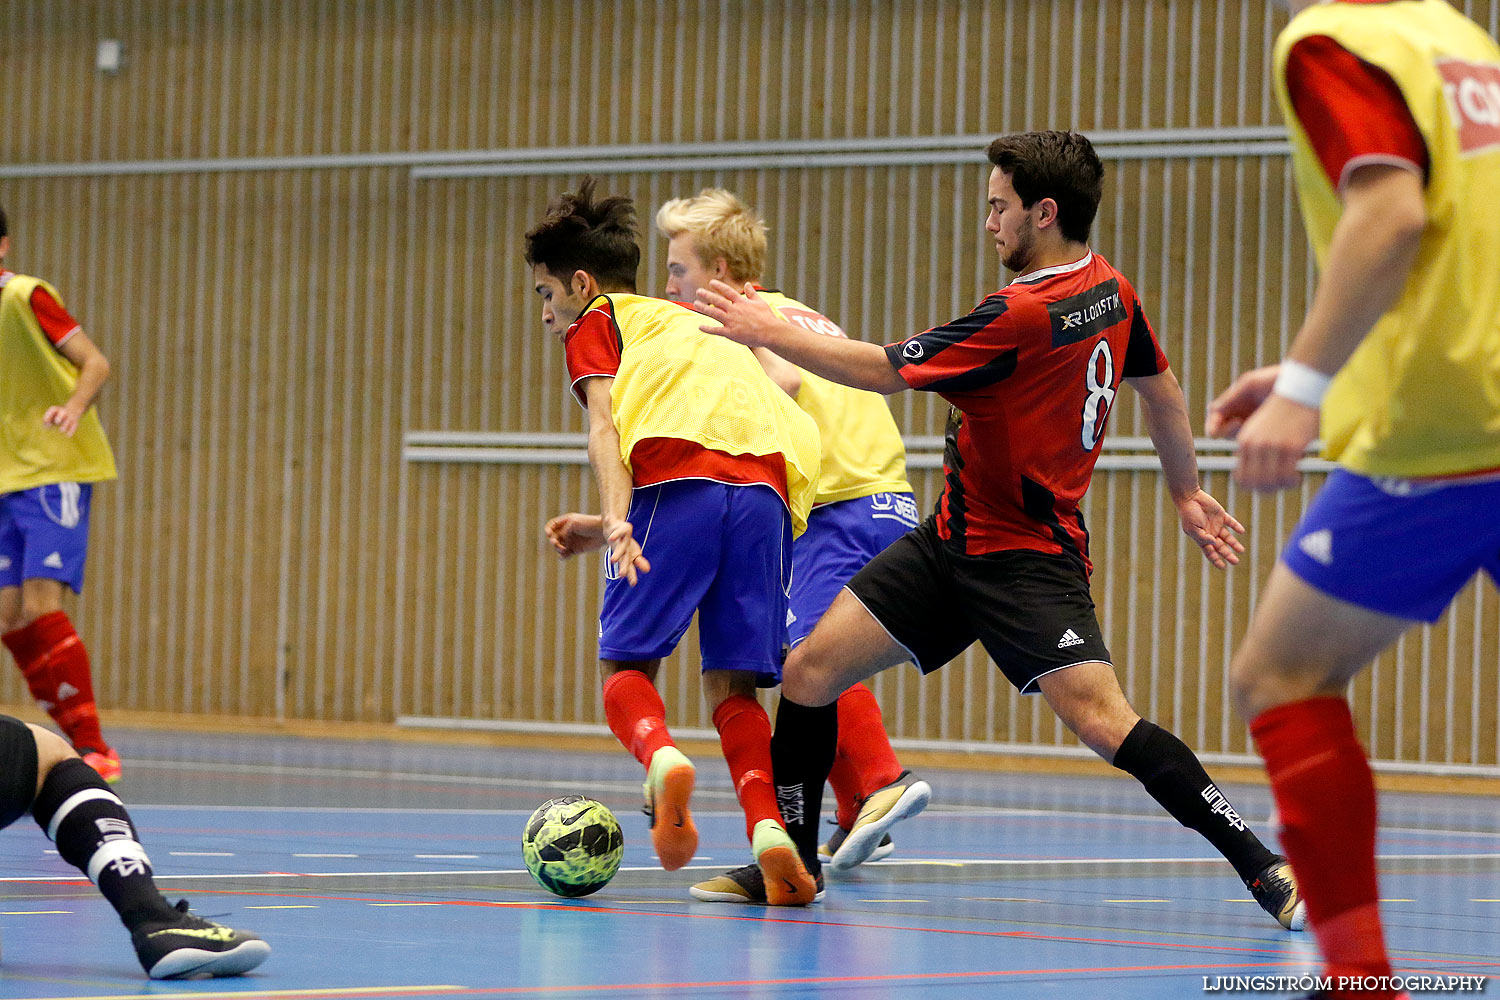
<point>847,646</point>
<point>1089,701</point>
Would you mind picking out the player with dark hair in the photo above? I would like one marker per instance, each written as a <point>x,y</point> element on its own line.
<point>1391,109</point>
<point>42,775</point>
<point>705,470</point>
<point>52,451</point>
<point>864,503</point>
<point>1032,374</point>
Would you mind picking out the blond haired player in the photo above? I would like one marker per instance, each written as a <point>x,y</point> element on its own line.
<point>52,451</point>
<point>1394,115</point>
<point>864,503</point>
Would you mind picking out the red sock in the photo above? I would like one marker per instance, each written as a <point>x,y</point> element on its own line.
<point>847,789</point>
<point>1325,793</point>
<point>862,739</point>
<point>636,714</point>
<point>56,667</point>
<point>745,734</point>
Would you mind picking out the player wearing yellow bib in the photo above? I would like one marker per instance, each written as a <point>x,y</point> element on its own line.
<point>1394,116</point>
<point>864,503</point>
<point>52,451</point>
<point>705,471</point>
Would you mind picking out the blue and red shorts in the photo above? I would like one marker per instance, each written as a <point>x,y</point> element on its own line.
<point>722,551</point>
<point>1400,547</point>
<point>44,534</point>
<point>840,539</point>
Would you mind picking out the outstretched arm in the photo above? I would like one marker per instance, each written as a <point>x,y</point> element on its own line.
<point>1210,527</point>
<point>745,318</point>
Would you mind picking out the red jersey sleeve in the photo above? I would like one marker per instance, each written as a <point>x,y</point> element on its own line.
<point>1143,355</point>
<point>55,321</point>
<point>592,346</point>
<point>1352,112</point>
<point>972,352</point>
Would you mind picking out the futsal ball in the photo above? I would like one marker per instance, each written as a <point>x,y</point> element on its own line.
<point>572,845</point>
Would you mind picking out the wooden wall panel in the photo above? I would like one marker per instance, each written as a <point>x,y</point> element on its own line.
<point>275,332</point>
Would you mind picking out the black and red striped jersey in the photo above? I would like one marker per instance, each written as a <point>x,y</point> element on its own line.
<point>1031,374</point>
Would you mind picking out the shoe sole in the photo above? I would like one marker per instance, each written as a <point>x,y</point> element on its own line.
<point>711,896</point>
<point>1298,921</point>
<point>787,880</point>
<point>674,834</point>
<point>860,845</point>
<point>184,963</point>
<point>881,852</point>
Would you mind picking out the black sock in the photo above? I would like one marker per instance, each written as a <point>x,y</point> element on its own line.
<point>93,833</point>
<point>802,750</point>
<point>1175,778</point>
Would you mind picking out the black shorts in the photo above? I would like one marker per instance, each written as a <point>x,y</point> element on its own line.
<point>18,764</point>
<point>1031,610</point>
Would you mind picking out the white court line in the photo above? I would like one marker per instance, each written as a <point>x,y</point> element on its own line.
<point>340,991</point>
<point>1020,862</point>
<point>325,855</point>
<point>423,777</point>
<point>888,863</point>
<point>948,811</point>
<point>356,810</point>
<point>981,812</point>
<point>200,854</point>
<point>447,857</point>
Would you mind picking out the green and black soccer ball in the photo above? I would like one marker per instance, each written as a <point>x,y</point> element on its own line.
<point>572,845</point>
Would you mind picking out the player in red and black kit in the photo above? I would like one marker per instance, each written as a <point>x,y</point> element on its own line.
<point>1032,374</point>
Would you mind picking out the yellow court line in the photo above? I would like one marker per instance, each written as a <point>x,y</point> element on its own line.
<point>1137,900</point>
<point>29,913</point>
<point>340,991</point>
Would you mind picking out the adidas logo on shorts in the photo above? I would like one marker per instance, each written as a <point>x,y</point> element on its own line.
<point>1069,638</point>
<point>54,561</point>
<point>1318,545</point>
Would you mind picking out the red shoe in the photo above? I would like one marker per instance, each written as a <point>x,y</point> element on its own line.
<point>106,762</point>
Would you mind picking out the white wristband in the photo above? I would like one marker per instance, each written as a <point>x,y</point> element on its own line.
<point>1302,384</point>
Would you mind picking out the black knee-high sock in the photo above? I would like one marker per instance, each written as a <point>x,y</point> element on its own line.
<point>802,750</point>
<point>93,833</point>
<point>1174,777</point>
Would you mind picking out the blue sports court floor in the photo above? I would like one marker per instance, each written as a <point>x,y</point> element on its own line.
<point>394,870</point>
